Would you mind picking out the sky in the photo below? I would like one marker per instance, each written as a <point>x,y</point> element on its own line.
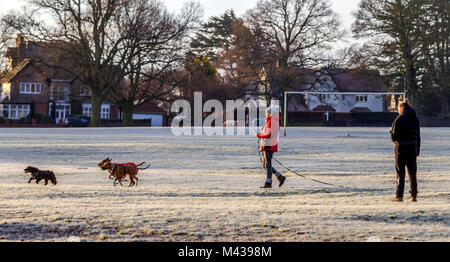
<point>217,7</point>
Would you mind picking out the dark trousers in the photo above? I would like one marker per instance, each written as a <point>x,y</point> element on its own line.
<point>406,155</point>
<point>267,164</point>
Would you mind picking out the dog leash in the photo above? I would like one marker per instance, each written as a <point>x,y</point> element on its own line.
<point>296,173</point>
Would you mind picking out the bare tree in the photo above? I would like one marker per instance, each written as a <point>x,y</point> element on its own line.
<point>6,38</point>
<point>294,33</point>
<point>296,28</point>
<point>84,39</point>
<point>154,46</point>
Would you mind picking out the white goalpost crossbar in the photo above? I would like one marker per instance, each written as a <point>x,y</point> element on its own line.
<point>329,93</point>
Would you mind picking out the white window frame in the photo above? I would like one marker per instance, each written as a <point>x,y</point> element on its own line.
<point>87,108</point>
<point>65,93</point>
<point>105,111</point>
<point>19,110</point>
<point>362,98</point>
<point>30,88</point>
<point>85,91</point>
<point>324,97</point>
<point>66,107</point>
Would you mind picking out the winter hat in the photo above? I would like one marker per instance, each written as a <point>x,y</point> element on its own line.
<point>273,110</point>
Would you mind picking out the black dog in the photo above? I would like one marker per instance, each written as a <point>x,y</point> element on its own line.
<point>38,175</point>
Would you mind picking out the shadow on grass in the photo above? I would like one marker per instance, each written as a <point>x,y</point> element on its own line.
<point>406,218</point>
<point>18,231</point>
<point>206,193</point>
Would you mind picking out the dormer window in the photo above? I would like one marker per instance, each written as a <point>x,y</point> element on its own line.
<point>361,99</point>
<point>324,97</point>
<point>85,91</point>
<point>30,88</point>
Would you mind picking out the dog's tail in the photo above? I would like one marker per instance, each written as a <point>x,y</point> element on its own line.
<point>144,167</point>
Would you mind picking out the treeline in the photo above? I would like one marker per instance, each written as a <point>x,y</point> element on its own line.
<point>132,51</point>
<point>408,40</point>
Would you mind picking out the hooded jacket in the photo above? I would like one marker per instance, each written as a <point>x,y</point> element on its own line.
<point>406,129</point>
<point>270,134</point>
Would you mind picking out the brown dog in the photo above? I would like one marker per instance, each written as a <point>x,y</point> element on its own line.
<point>119,172</point>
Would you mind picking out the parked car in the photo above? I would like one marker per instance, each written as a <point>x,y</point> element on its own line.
<point>77,121</point>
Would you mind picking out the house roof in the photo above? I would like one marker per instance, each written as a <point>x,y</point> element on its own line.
<point>357,81</point>
<point>303,79</point>
<point>11,74</point>
<point>324,108</point>
<point>360,109</point>
<point>148,107</point>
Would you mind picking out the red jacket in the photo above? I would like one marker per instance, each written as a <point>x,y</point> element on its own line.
<point>270,134</point>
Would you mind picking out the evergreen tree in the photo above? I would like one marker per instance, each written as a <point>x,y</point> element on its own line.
<point>214,37</point>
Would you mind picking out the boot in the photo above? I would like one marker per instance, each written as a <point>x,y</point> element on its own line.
<point>281,179</point>
<point>267,185</point>
<point>398,199</point>
<point>413,195</point>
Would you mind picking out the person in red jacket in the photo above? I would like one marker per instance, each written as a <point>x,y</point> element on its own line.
<point>269,144</point>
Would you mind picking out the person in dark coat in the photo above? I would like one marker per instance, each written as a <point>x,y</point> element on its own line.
<point>405,134</point>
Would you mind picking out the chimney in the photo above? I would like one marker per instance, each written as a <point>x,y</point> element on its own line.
<point>19,40</point>
<point>21,48</point>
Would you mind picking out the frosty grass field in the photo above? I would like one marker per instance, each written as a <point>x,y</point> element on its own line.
<point>207,188</point>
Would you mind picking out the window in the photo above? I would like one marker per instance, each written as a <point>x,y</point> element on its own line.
<point>324,97</point>
<point>87,109</point>
<point>30,88</point>
<point>301,99</point>
<point>15,111</point>
<point>104,114</point>
<point>361,99</point>
<point>60,93</point>
<point>85,91</point>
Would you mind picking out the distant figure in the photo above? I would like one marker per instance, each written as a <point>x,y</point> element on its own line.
<point>405,134</point>
<point>269,144</point>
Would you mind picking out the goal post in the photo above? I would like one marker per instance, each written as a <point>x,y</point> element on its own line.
<point>287,93</point>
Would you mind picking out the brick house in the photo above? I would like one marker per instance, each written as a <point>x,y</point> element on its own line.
<point>31,86</point>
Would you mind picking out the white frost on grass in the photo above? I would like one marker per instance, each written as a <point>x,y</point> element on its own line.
<point>206,188</point>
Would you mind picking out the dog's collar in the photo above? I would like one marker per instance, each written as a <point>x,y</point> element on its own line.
<point>115,166</point>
